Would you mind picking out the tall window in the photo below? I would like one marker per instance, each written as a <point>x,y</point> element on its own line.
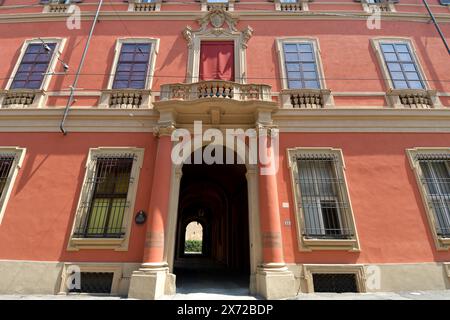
<point>401,65</point>
<point>301,66</point>
<point>6,163</point>
<point>132,66</point>
<point>33,66</point>
<point>321,198</point>
<point>217,60</point>
<point>436,180</point>
<point>108,202</point>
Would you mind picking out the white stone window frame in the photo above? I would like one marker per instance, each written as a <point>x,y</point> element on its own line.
<point>117,244</point>
<point>303,3</point>
<point>114,268</point>
<point>131,5</point>
<point>226,31</point>
<point>19,156</point>
<point>317,56</point>
<point>392,95</point>
<point>442,244</point>
<point>357,269</point>
<point>39,100</point>
<point>327,97</point>
<point>154,42</point>
<point>304,244</point>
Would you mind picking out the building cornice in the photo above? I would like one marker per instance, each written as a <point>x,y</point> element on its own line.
<point>363,120</point>
<point>287,120</point>
<point>244,15</point>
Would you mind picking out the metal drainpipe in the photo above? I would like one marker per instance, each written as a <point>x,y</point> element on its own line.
<point>436,25</point>
<point>77,75</point>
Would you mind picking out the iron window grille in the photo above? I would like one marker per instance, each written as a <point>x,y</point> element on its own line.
<point>301,66</point>
<point>33,66</point>
<point>401,65</point>
<point>132,66</point>
<point>322,201</point>
<point>107,189</point>
<point>6,163</point>
<point>435,179</point>
<point>335,282</point>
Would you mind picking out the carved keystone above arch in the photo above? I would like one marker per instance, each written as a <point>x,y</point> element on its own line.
<point>217,24</point>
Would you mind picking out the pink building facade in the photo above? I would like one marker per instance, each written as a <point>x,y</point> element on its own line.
<point>358,116</point>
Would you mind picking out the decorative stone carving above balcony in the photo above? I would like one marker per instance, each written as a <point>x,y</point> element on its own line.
<point>215,89</point>
<point>413,98</point>
<point>306,98</point>
<point>125,99</point>
<point>23,98</point>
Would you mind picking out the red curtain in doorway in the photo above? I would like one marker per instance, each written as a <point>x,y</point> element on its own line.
<point>217,60</point>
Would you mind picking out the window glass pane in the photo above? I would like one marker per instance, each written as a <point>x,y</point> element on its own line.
<point>402,48</point>
<point>412,76</point>
<point>416,85</point>
<point>405,57</point>
<point>312,85</point>
<point>290,47</point>
<point>397,75</point>
<point>387,48</point>
<point>293,67</point>
<point>294,84</point>
<point>390,56</point>
<point>294,75</point>
<point>291,57</point>
<point>409,67</point>
<point>309,66</point>
<point>310,75</point>
<point>400,84</point>
<point>306,57</point>
<point>305,48</point>
<point>394,67</point>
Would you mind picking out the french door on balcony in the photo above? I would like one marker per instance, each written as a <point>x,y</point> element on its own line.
<point>216,60</point>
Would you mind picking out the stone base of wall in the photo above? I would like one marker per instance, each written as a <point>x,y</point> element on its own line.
<point>35,277</point>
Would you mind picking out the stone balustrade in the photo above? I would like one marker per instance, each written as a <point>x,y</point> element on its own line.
<point>413,98</point>
<point>58,7</point>
<point>146,7</point>
<point>125,99</point>
<point>215,89</point>
<point>306,98</point>
<point>21,98</point>
<point>291,7</point>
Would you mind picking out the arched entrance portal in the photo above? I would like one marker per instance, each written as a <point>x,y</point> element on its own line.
<point>214,196</point>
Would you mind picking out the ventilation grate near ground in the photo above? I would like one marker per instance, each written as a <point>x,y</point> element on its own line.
<point>332,282</point>
<point>95,282</point>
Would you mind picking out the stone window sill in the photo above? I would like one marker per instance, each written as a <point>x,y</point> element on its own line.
<point>95,243</point>
<point>330,244</point>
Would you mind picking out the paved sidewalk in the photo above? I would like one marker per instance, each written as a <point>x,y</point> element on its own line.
<point>242,295</point>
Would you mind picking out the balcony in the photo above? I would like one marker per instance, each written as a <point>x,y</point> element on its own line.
<point>413,98</point>
<point>125,99</point>
<point>306,98</point>
<point>291,6</point>
<point>139,6</point>
<point>215,89</point>
<point>21,98</point>
<point>215,102</point>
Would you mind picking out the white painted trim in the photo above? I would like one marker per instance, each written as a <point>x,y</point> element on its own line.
<point>403,40</point>
<point>12,175</point>
<point>317,53</point>
<point>60,43</point>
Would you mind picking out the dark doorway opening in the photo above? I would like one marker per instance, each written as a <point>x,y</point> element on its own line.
<point>215,197</point>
